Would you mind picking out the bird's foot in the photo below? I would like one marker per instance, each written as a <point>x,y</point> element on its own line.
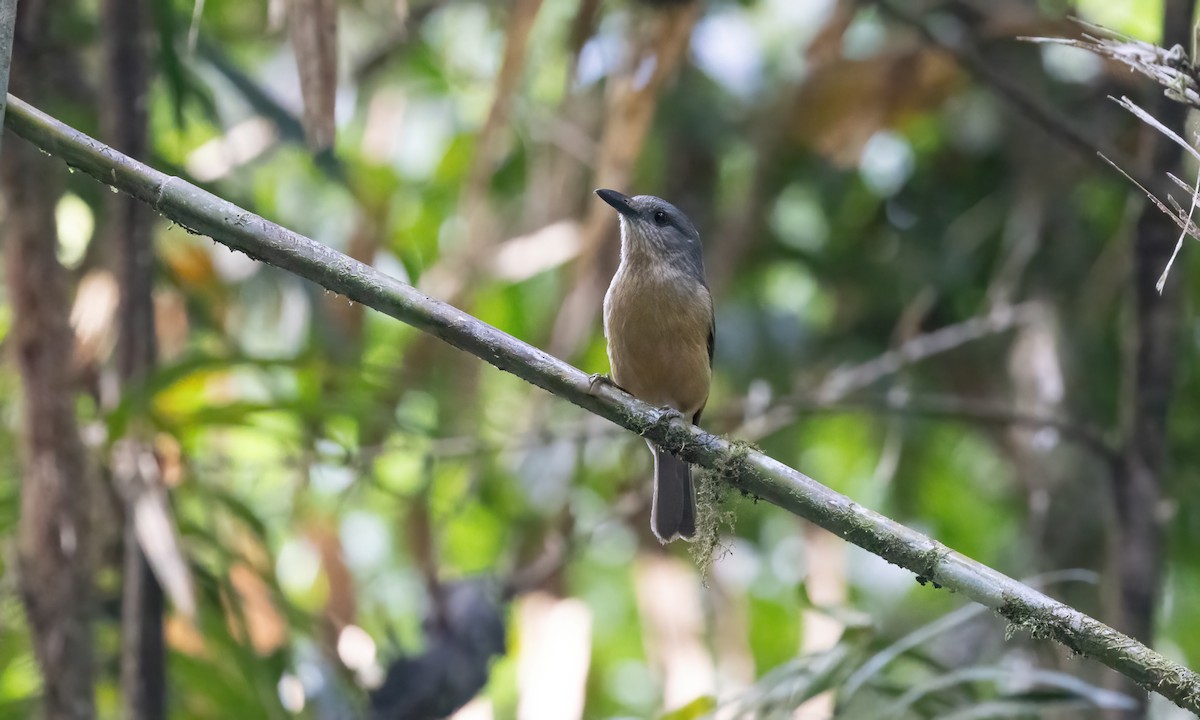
<point>669,413</point>
<point>597,379</point>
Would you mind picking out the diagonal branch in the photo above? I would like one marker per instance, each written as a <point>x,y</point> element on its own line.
<point>743,467</point>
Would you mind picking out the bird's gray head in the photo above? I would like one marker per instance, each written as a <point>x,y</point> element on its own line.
<point>655,227</point>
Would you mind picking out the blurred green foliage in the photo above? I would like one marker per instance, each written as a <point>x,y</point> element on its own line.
<point>312,443</point>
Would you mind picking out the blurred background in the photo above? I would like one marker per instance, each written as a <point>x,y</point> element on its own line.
<point>932,296</point>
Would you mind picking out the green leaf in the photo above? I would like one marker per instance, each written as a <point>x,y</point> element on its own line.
<point>698,708</point>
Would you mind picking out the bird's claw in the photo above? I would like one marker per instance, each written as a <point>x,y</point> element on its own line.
<point>597,379</point>
<point>669,413</point>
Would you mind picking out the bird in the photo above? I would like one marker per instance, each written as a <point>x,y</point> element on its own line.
<point>660,330</point>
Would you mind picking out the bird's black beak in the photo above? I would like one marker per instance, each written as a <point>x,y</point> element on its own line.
<point>618,201</point>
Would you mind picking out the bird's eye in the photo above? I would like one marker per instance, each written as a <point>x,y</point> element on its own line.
<point>660,218</point>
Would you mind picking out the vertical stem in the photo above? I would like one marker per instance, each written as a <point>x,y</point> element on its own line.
<point>143,650</point>
<point>1149,375</point>
<point>128,238</point>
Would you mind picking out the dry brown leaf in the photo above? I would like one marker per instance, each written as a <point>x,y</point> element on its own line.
<point>170,459</point>
<point>190,264</point>
<point>842,104</point>
<point>991,20</point>
<point>247,545</point>
<point>314,40</point>
<point>341,606</point>
<point>183,636</point>
<point>171,325</point>
<point>264,623</point>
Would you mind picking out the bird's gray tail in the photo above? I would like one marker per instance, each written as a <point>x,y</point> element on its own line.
<point>673,512</point>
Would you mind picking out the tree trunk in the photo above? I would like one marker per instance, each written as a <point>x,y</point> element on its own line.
<point>54,534</point>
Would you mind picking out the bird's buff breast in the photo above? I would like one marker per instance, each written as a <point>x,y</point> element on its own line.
<point>657,330</point>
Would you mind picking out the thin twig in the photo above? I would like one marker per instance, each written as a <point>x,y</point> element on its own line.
<point>1162,280</point>
<point>1153,122</point>
<point>843,381</point>
<point>1172,69</point>
<point>1187,225</point>
<point>971,410</point>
